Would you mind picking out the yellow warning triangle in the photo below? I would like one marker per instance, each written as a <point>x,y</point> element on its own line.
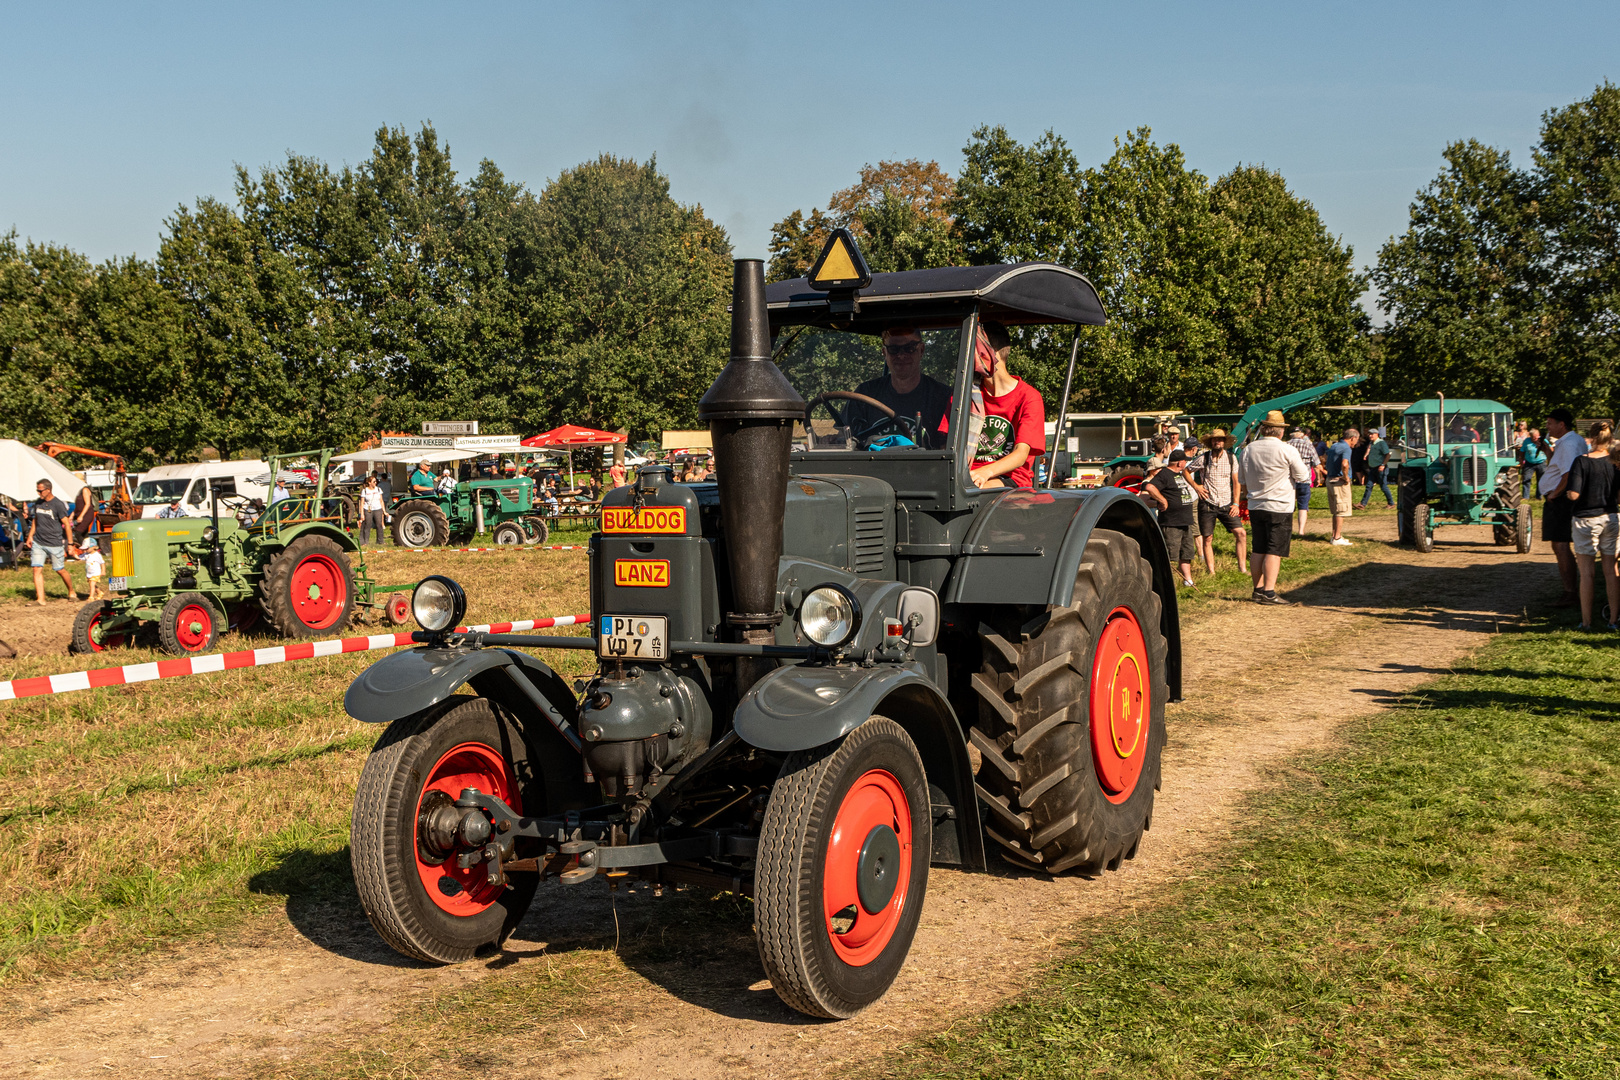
<point>837,265</point>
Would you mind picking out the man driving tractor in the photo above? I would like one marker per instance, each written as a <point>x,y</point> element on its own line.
<point>903,387</point>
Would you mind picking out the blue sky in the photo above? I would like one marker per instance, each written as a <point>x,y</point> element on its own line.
<point>111,115</point>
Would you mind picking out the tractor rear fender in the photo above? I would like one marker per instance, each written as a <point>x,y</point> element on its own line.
<point>318,528</point>
<point>801,707</point>
<point>1025,546</point>
<point>405,683</point>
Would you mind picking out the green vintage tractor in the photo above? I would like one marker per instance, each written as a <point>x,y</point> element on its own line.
<point>504,506</point>
<point>1459,468</point>
<point>186,580</point>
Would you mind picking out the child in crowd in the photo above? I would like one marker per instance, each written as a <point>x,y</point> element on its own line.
<point>94,565</point>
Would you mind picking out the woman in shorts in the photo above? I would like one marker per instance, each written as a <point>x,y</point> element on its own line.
<point>1593,488</point>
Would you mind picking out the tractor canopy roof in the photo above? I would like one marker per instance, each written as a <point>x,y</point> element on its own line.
<point>1457,405</point>
<point>1016,293</point>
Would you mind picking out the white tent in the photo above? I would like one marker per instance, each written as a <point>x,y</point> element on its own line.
<point>21,467</point>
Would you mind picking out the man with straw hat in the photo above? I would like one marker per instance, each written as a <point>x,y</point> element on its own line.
<point>1217,472</point>
<point>1269,471</point>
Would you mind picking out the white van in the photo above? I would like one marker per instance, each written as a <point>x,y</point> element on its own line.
<point>196,483</point>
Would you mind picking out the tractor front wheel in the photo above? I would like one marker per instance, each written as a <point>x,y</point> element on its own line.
<point>1409,494</point>
<point>1422,531</point>
<point>89,629</point>
<point>842,869</point>
<point>419,524</point>
<point>1071,717</point>
<point>509,534</point>
<point>309,588</point>
<point>1524,536</point>
<point>536,528</point>
<point>418,897</point>
<point>189,623</point>
<point>1509,496</point>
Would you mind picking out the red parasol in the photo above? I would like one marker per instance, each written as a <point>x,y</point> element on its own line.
<point>574,435</point>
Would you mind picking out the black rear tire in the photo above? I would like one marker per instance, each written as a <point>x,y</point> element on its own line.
<point>536,528</point>
<point>1062,792</point>
<point>836,963</point>
<point>389,874</point>
<point>419,523</point>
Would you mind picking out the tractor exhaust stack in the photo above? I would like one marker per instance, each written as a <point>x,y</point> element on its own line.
<point>750,409</point>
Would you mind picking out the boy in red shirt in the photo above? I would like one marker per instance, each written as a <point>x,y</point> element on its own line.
<point>1014,429</point>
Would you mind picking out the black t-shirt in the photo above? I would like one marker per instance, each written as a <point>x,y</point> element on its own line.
<point>48,516</point>
<point>1179,494</point>
<point>1598,483</point>
<point>930,397</point>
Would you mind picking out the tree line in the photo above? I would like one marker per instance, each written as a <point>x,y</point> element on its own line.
<point>326,304</point>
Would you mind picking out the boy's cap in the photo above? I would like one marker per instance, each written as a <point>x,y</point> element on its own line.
<point>1177,455</point>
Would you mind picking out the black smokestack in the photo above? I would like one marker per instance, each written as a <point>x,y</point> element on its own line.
<point>750,410</point>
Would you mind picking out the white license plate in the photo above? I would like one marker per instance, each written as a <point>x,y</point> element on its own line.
<point>117,584</point>
<point>633,637</point>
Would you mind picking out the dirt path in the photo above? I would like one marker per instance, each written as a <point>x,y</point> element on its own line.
<point>1262,684</point>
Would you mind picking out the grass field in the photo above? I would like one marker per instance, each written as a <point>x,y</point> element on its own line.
<point>1436,899</point>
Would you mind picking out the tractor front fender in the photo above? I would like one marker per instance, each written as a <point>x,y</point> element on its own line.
<point>405,683</point>
<point>801,707</point>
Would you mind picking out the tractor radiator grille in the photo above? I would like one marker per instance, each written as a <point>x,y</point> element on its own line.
<point>871,525</point>
<point>1474,472</point>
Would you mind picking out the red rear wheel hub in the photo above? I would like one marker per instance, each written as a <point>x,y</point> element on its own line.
<point>193,627</point>
<point>1120,705</point>
<point>868,867</point>
<point>1131,482</point>
<point>470,765</point>
<point>319,593</point>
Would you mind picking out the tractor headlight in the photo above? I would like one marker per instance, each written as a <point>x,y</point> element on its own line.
<point>438,604</point>
<point>830,615</point>
<point>1439,479</point>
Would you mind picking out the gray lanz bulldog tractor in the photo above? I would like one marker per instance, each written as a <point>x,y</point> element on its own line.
<point>839,664</point>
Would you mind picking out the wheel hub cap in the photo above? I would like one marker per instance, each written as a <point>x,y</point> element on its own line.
<point>875,879</point>
<point>1120,705</point>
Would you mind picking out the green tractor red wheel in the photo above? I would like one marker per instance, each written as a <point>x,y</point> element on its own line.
<point>189,623</point>
<point>397,609</point>
<point>1128,477</point>
<point>843,869</point>
<point>309,588</point>
<point>90,634</point>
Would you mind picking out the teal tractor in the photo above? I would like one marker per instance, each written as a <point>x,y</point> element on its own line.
<point>1459,468</point>
<point>183,581</point>
<point>503,506</point>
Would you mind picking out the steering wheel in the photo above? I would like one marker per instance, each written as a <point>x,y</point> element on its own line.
<point>891,421</point>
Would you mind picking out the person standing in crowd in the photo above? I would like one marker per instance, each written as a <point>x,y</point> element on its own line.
<point>1377,467</point>
<point>373,516</point>
<point>280,491</point>
<point>616,474</point>
<point>1532,462</point>
<point>1302,489</point>
<point>1336,472</point>
<point>1217,474</point>
<point>172,510</point>
<point>48,524</point>
<point>84,514</point>
<point>1592,490</point>
<point>1271,471</point>
<point>1176,495</point>
<point>1557,512</point>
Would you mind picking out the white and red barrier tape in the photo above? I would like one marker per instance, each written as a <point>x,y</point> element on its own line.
<point>469,551</point>
<point>280,654</point>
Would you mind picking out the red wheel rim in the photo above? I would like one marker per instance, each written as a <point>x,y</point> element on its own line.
<point>470,765</point>
<point>399,609</point>
<point>193,627</point>
<point>874,803</point>
<point>1131,482</point>
<point>319,593</point>
<point>110,641</point>
<point>1120,704</point>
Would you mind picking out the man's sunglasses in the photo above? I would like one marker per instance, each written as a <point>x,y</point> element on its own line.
<point>911,349</point>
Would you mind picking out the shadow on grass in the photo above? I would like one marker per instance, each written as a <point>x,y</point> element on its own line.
<point>323,906</point>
